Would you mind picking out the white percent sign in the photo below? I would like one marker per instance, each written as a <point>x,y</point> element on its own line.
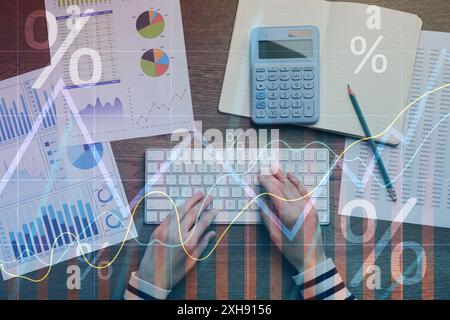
<point>379,62</point>
<point>76,23</point>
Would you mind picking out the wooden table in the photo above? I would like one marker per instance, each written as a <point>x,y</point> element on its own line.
<point>246,265</point>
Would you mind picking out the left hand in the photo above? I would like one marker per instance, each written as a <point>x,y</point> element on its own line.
<point>165,263</point>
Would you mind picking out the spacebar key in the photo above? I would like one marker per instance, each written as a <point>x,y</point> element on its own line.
<point>159,204</point>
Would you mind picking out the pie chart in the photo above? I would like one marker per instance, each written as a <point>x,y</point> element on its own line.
<point>155,63</point>
<point>150,24</point>
<point>85,157</point>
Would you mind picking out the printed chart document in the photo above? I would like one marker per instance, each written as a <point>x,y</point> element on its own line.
<point>53,198</point>
<point>125,69</point>
<point>419,165</point>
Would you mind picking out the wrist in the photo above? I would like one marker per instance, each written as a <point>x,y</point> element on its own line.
<point>310,262</point>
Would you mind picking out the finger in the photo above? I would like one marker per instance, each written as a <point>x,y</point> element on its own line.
<point>294,180</point>
<point>278,174</point>
<point>271,184</point>
<point>194,214</point>
<point>202,225</point>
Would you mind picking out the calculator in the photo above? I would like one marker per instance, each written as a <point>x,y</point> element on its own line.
<point>285,75</point>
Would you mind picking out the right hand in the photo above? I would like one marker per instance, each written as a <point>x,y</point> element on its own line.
<point>305,250</point>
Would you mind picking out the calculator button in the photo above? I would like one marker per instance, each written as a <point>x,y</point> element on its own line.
<point>261,114</point>
<point>273,94</point>
<point>273,77</point>
<point>261,86</point>
<point>296,76</point>
<point>297,113</point>
<point>296,85</point>
<point>284,85</point>
<point>296,68</point>
<point>308,94</point>
<point>308,85</point>
<point>261,104</point>
<point>297,104</point>
<point>260,69</point>
<point>285,76</point>
<point>284,104</point>
<point>308,76</point>
<point>284,113</point>
<point>273,85</point>
<point>262,95</point>
<point>284,95</point>
<point>296,94</point>
<point>261,77</point>
<point>285,69</point>
<point>273,69</point>
<point>273,104</point>
<point>273,113</point>
<point>308,68</point>
<point>308,108</point>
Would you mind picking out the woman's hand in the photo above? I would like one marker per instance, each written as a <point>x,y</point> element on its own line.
<point>305,250</point>
<point>165,262</point>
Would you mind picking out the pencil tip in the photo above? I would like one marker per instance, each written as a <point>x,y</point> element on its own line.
<point>350,91</point>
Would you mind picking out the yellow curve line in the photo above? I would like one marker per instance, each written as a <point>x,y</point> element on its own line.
<point>231,223</point>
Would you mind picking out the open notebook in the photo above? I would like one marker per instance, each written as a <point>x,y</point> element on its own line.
<point>382,95</point>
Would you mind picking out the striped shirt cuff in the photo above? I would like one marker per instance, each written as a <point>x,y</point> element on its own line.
<point>323,282</point>
<point>139,289</point>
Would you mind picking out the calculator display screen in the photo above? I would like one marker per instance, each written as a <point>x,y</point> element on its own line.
<point>286,49</point>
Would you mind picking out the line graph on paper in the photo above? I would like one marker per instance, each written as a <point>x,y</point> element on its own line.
<point>159,109</point>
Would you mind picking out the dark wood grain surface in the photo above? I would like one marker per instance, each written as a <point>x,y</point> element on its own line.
<point>245,264</point>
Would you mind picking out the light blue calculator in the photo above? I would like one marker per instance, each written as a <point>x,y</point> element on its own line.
<point>285,75</point>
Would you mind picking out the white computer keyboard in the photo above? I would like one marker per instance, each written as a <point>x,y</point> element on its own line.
<point>231,178</point>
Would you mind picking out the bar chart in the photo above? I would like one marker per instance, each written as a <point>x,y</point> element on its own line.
<point>15,115</point>
<point>56,224</point>
<point>42,104</point>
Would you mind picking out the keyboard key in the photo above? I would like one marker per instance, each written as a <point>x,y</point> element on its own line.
<point>273,69</point>
<point>202,168</point>
<point>163,215</point>
<point>196,180</point>
<point>323,216</point>
<point>156,192</point>
<point>241,204</point>
<point>224,192</point>
<point>152,167</point>
<point>303,167</point>
<point>159,180</point>
<point>237,192</point>
<point>290,167</point>
<point>308,68</point>
<point>296,68</point>
<point>322,155</point>
<point>152,216</point>
<point>171,180</point>
<point>230,204</point>
<point>156,204</point>
<point>186,192</point>
<point>177,168</point>
<point>319,167</point>
<point>189,168</point>
<point>309,180</point>
<point>199,189</point>
<point>155,155</point>
<point>321,204</point>
<point>273,113</point>
<point>183,180</point>
<point>208,180</point>
<point>308,108</point>
<point>174,192</point>
<point>218,204</point>
<point>285,69</point>
<point>309,155</point>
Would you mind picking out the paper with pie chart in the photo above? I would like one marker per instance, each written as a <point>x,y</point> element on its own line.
<point>144,88</point>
